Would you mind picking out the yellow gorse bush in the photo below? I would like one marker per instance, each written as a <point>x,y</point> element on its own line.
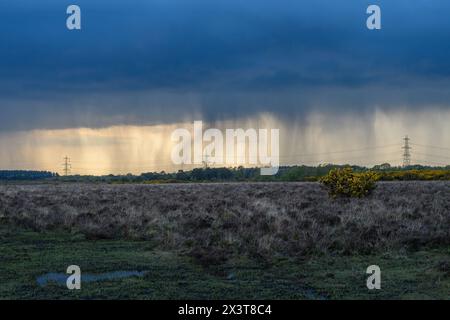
<point>344,182</point>
<point>430,175</point>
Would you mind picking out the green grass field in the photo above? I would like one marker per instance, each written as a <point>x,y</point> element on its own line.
<point>26,255</point>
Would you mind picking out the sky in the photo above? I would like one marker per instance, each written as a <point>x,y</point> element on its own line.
<point>139,68</point>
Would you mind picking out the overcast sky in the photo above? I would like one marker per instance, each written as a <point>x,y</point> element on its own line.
<point>163,61</point>
<point>109,95</point>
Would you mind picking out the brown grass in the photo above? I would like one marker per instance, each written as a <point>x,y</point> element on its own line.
<point>212,221</point>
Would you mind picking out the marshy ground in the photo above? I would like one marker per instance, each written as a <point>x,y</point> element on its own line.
<point>226,241</point>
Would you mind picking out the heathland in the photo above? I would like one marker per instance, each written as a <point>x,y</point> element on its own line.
<point>226,240</point>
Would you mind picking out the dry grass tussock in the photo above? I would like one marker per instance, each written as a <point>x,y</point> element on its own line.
<point>212,221</point>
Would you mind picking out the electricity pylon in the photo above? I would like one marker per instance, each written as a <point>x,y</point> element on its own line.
<point>406,154</point>
<point>66,166</point>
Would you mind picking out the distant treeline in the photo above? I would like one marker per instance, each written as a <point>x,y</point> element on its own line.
<point>26,175</point>
<point>291,173</point>
<point>300,173</point>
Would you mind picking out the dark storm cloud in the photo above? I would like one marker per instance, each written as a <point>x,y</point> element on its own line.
<point>143,61</point>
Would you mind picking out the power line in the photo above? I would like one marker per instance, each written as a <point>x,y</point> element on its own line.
<point>432,155</point>
<point>320,157</point>
<point>345,151</point>
<point>328,153</point>
<point>138,163</point>
<point>429,146</point>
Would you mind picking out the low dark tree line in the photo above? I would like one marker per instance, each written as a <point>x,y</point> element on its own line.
<point>26,175</point>
<point>291,173</point>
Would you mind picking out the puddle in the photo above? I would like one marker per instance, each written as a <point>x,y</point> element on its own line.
<point>61,278</point>
<point>311,294</point>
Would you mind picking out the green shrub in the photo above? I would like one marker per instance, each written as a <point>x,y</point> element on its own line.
<point>346,183</point>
